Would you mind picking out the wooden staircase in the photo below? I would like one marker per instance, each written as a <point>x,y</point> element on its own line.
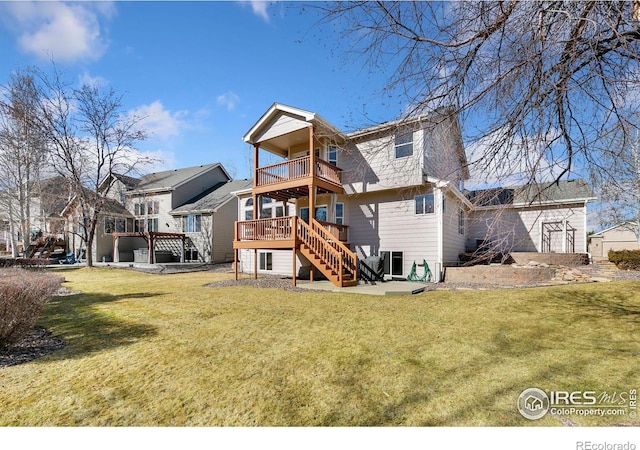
<point>334,259</point>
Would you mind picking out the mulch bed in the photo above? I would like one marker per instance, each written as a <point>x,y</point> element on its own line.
<point>37,343</point>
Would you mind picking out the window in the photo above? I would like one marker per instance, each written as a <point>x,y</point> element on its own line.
<point>121,225</point>
<point>109,225</point>
<point>340,213</point>
<point>279,211</point>
<point>139,209</point>
<point>320,214</point>
<point>424,204</point>
<point>248,209</point>
<point>152,224</point>
<point>266,261</point>
<point>332,155</point>
<point>192,223</point>
<point>153,207</point>
<point>393,263</point>
<point>404,144</point>
<point>138,226</point>
<point>265,213</point>
<point>461,221</point>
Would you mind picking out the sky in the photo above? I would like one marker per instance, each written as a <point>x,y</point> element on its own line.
<point>202,73</point>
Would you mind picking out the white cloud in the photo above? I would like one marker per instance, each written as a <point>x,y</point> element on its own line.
<point>60,31</point>
<point>86,79</point>
<point>158,121</point>
<point>259,8</point>
<point>229,100</point>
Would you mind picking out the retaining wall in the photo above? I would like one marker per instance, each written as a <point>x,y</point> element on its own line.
<point>499,275</point>
<point>553,259</point>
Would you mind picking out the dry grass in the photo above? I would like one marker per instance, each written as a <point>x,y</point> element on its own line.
<point>165,350</point>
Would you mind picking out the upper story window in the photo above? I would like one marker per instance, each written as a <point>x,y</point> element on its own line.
<point>192,223</point>
<point>332,155</point>
<point>461,225</point>
<point>404,144</point>
<point>153,207</point>
<point>424,204</point>
<point>139,209</point>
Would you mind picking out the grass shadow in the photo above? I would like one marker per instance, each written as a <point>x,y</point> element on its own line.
<point>86,329</point>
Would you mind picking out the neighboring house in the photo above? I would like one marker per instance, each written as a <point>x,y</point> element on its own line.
<point>208,221</point>
<point>187,212</point>
<point>49,199</point>
<point>394,190</point>
<point>184,215</point>
<point>618,237</point>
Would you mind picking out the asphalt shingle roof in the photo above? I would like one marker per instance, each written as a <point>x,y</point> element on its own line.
<point>213,198</point>
<point>563,191</point>
<point>169,179</point>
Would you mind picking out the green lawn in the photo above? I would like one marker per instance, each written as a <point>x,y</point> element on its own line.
<point>166,350</point>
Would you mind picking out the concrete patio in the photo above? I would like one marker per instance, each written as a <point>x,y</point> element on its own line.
<point>386,288</point>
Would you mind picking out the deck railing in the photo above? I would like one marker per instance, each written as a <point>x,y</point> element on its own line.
<point>295,169</point>
<point>278,229</point>
<point>349,260</point>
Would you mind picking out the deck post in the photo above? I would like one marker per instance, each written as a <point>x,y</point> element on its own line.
<point>255,263</point>
<point>235,262</point>
<point>293,251</point>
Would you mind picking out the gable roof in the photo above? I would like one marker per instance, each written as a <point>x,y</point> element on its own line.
<point>169,180</point>
<point>628,225</point>
<point>571,191</point>
<point>212,199</point>
<point>281,126</point>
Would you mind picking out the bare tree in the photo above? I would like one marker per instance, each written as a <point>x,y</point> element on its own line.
<point>90,139</point>
<point>619,184</point>
<point>541,82</point>
<point>22,155</point>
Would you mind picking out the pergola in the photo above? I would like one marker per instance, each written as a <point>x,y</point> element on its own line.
<point>151,237</point>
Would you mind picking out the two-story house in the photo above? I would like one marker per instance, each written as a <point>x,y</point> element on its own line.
<point>180,215</point>
<point>388,190</point>
<point>393,190</point>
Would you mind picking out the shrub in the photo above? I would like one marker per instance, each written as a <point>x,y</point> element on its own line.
<point>625,259</point>
<point>23,295</point>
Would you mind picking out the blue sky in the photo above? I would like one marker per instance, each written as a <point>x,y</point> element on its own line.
<point>202,72</point>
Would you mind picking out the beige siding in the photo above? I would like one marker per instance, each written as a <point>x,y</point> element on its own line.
<point>453,243</point>
<point>223,222</point>
<point>615,239</point>
<point>282,124</point>
<point>520,229</point>
<point>372,166</point>
<point>386,221</point>
<point>441,157</point>
<point>281,261</point>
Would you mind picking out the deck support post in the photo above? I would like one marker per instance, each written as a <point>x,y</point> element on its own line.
<point>293,271</point>
<point>255,263</point>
